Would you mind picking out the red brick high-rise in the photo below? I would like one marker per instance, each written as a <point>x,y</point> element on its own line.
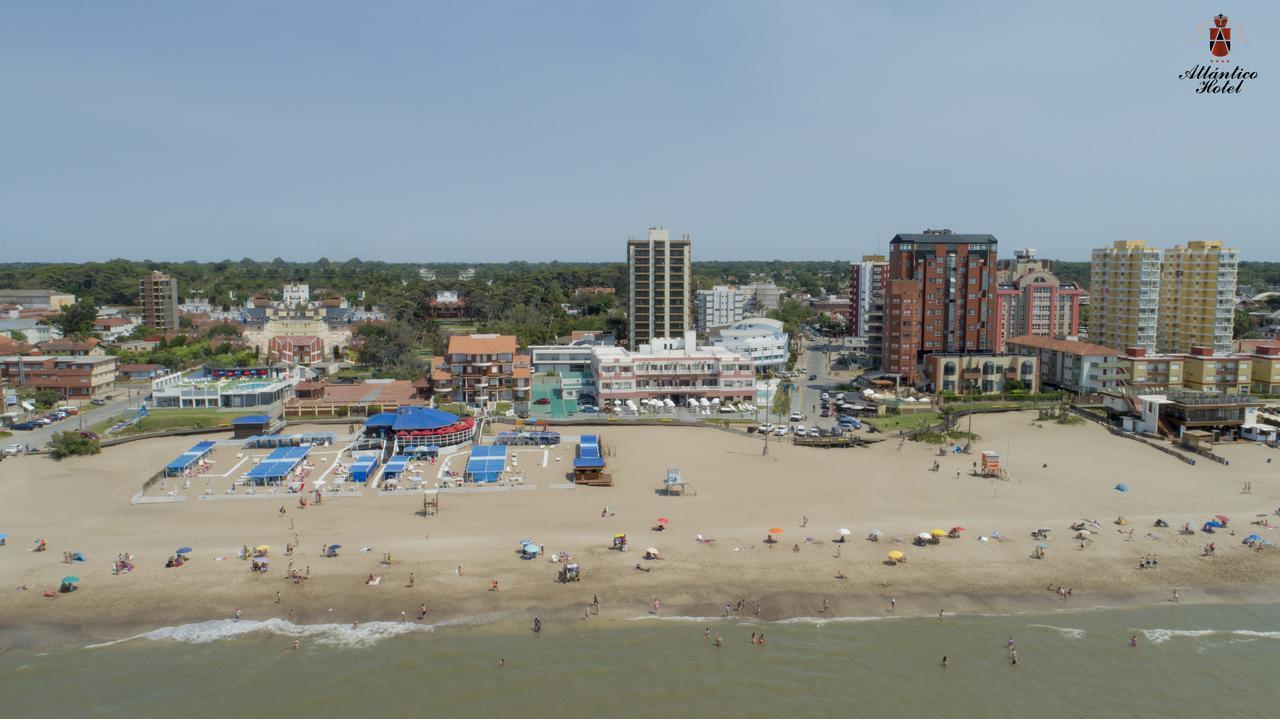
<point>940,296</point>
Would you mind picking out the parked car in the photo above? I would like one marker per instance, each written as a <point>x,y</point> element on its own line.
<point>727,409</point>
<point>813,377</point>
<point>589,408</point>
<point>89,435</point>
<point>26,426</point>
<point>42,421</point>
<point>97,401</point>
<point>797,416</point>
<point>542,400</point>
<point>813,431</point>
<point>72,411</point>
<point>780,432</point>
<point>801,431</point>
<point>14,449</point>
<point>826,412</point>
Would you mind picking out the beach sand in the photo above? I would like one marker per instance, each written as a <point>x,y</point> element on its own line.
<point>83,504</point>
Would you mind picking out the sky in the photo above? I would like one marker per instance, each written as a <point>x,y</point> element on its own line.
<point>554,130</point>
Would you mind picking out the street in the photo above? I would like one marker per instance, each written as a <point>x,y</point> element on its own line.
<point>89,415</point>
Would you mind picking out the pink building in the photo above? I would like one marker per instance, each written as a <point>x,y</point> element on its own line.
<point>674,369</point>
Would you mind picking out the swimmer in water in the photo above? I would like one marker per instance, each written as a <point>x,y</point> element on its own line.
<point>944,661</point>
<point>1133,640</point>
<point>718,640</point>
<point>295,645</point>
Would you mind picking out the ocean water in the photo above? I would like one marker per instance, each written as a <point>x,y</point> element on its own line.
<point>1191,660</point>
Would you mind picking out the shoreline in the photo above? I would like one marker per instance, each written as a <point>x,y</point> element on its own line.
<point>809,495</point>
<point>103,631</point>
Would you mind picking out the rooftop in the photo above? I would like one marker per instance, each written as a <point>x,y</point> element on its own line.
<point>1074,347</point>
<point>482,344</point>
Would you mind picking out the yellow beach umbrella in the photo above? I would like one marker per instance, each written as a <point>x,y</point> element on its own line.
<point>897,555</point>
<point>937,533</point>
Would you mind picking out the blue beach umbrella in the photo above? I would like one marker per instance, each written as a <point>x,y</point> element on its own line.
<point>1215,524</point>
<point>335,546</point>
<point>1252,538</point>
<point>1122,487</point>
<point>183,550</point>
<point>71,580</point>
<point>3,535</point>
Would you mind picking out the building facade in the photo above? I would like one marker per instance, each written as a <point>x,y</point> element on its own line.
<point>37,299</point>
<point>1124,295</point>
<point>939,298</point>
<point>762,297</point>
<point>1197,297</point>
<point>759,338</point>
<point>980,373</point>
<point>1079,367</point>
<point>659,275</point>
<point>158,295</point>
<point>481,369</point>
<point>73,378</point>
<point>1033,301</point>
<point>675,369</point>
<point>866,290</point>
<point>720,305</point>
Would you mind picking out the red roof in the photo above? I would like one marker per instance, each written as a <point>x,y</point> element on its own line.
<point>1073,347</point>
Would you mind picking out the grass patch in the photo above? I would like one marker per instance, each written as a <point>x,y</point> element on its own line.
<point>904,422</point>
<point>162,419</point>
<point>5,435</point>
<point>782,400</point>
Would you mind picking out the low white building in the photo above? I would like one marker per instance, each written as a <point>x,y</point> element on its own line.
<point>759,338</point>
<point>675,369</point>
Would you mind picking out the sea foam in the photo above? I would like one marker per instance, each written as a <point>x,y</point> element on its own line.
<point>339,635</point>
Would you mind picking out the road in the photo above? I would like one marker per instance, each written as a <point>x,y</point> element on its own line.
<point>125,397</point>
<point>815,360</point>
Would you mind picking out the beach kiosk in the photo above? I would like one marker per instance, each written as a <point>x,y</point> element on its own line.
<point>674,484</point>
<point>589,465</point>
<point>363,468</point>
<point>251,425</point>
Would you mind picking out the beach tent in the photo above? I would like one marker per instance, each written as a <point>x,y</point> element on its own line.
<point>1122,487</point>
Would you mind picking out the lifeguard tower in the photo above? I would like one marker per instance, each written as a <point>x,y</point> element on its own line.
<point>991,466</point>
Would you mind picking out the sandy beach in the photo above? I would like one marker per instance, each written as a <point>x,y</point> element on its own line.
<point>84,505</point>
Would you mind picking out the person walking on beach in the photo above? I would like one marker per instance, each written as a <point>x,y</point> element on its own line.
<point>277,597</point>
<point>940,614</point>
<point>657,606</point>
<point>423,614</point>
<point>595,604</point>
<point>412,579</point>
<point>893,605</point>
<point>826,606</point>
<point>404,618</point>
<point>1175,595</point>
<point>237,614</point>
<point>537,625</point>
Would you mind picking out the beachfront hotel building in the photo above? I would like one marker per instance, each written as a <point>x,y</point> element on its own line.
<point>1079,367</point>
<point>1031,300</point>
<point>660,282</point>
<point>223,387</point>
<point>976,373</point>
<point>866,291</point>
<point>481,369</point>
<point>1124,295</point>
<point>1197,297</point>
<point>675,369</point>
<point>720,305</point>
<point>158,295</point>
<point>939,299</point>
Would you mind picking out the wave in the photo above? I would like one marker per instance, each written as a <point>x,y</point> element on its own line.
<point>819,621</point>
<point>1160,636</point>
<point>1066,632</point>
<point>337,635</point>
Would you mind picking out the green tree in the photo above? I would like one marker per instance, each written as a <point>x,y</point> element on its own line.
<point>185,322</point>
<point>46,398</point>
<point>18,336</point>
<point>72,444</point>
<point>1242,326</point>
<point>76,320</point>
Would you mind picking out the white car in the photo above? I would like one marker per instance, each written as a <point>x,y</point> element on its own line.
<point>801,431</point>
<point>780,432</point>
<point>797,416</point>
<point>813,431</point>
<point>14,449</point>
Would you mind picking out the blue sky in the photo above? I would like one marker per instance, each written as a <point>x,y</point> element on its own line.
<point>470,131</point>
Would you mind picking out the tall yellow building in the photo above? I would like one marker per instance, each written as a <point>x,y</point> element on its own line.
<point>1124,295</point>
<point>1197,297</point>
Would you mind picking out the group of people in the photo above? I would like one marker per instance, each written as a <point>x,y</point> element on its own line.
<point>1148,562</point>
<point>122,564</point>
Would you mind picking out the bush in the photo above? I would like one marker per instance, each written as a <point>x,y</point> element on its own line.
<point>72,444</point>
<point>342,411</point>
